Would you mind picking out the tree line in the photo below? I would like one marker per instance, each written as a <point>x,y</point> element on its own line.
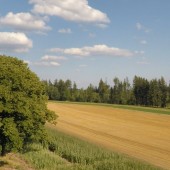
<point>143,92</point>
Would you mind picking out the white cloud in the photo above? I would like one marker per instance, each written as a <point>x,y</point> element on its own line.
<point>72,10</point>
<point>24,22</point>
<point>46,63</point>
<point>65,31</point>
<point>27,62</point>
<point>76,51</point>
<point>17,42</point>
<point>53,58</point>
<point>96,50</point>
<point>48,60</point>
<point>54,63</point>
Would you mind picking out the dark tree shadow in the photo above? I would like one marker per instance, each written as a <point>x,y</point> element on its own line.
<point>2,163</point>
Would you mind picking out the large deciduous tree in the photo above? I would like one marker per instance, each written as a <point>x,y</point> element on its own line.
<point>23,109</point>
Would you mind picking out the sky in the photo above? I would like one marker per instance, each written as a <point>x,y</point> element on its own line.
<point>86,40</point>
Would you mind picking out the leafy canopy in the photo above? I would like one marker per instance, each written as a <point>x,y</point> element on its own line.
<point>23,109</point>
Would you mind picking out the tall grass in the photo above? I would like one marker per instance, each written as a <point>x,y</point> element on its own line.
<point>71,153</point>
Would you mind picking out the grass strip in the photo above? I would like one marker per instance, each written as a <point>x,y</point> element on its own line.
<point>71,153</point>
<point>128,107</point>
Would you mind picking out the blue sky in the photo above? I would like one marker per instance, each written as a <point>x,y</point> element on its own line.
<point>88,40</point>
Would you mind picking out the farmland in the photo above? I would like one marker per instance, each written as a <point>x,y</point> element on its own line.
<point>72,153</point>
<point>139,134</point>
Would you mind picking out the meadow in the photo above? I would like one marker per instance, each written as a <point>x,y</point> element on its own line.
<point>99,137</point>
<point>74,154</point>
<point>128,107</point>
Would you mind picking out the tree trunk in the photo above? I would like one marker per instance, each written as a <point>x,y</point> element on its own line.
<point>3,151</point>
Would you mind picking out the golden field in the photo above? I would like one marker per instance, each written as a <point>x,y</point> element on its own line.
<point>145,136</point>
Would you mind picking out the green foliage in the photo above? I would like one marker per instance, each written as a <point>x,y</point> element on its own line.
<point>103,90</point>
<point>91,94</point>
<point>10,137</point>
<point>141,91</point>
<point>153,93</point>
<point>23,110</point>
<point>52,146</point>
<point>121,92</point>
<point>78,155</point>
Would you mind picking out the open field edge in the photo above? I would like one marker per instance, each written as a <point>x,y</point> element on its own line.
<point>78,130</point>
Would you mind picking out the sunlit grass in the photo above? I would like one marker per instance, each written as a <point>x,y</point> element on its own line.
<point>129,107</point>
<point>74,154</point>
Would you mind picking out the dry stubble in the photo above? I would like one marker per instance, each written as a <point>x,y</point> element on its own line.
<point>145,136</point>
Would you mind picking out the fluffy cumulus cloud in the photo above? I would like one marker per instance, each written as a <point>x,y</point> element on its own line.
<point>17,42</point>
<point>24,22</point>
<point>96,50</point>
<point>43,63</point>
<point>72,10</point>
<point>27,61</point>
<point>47,64</point>
<point>47,61</point>
<point>53,58</point>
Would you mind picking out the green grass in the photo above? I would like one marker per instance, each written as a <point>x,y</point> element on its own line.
<point>129,107</point>
<point>74,154</point>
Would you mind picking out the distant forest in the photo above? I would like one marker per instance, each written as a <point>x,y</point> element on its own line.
<point>143,92</point>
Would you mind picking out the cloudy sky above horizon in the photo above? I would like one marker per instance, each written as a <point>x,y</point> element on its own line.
<point>86,40</point>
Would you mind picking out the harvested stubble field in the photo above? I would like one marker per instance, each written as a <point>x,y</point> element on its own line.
<point>145,136</point>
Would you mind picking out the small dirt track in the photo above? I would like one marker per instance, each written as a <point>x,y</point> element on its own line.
<point>142,135</point>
